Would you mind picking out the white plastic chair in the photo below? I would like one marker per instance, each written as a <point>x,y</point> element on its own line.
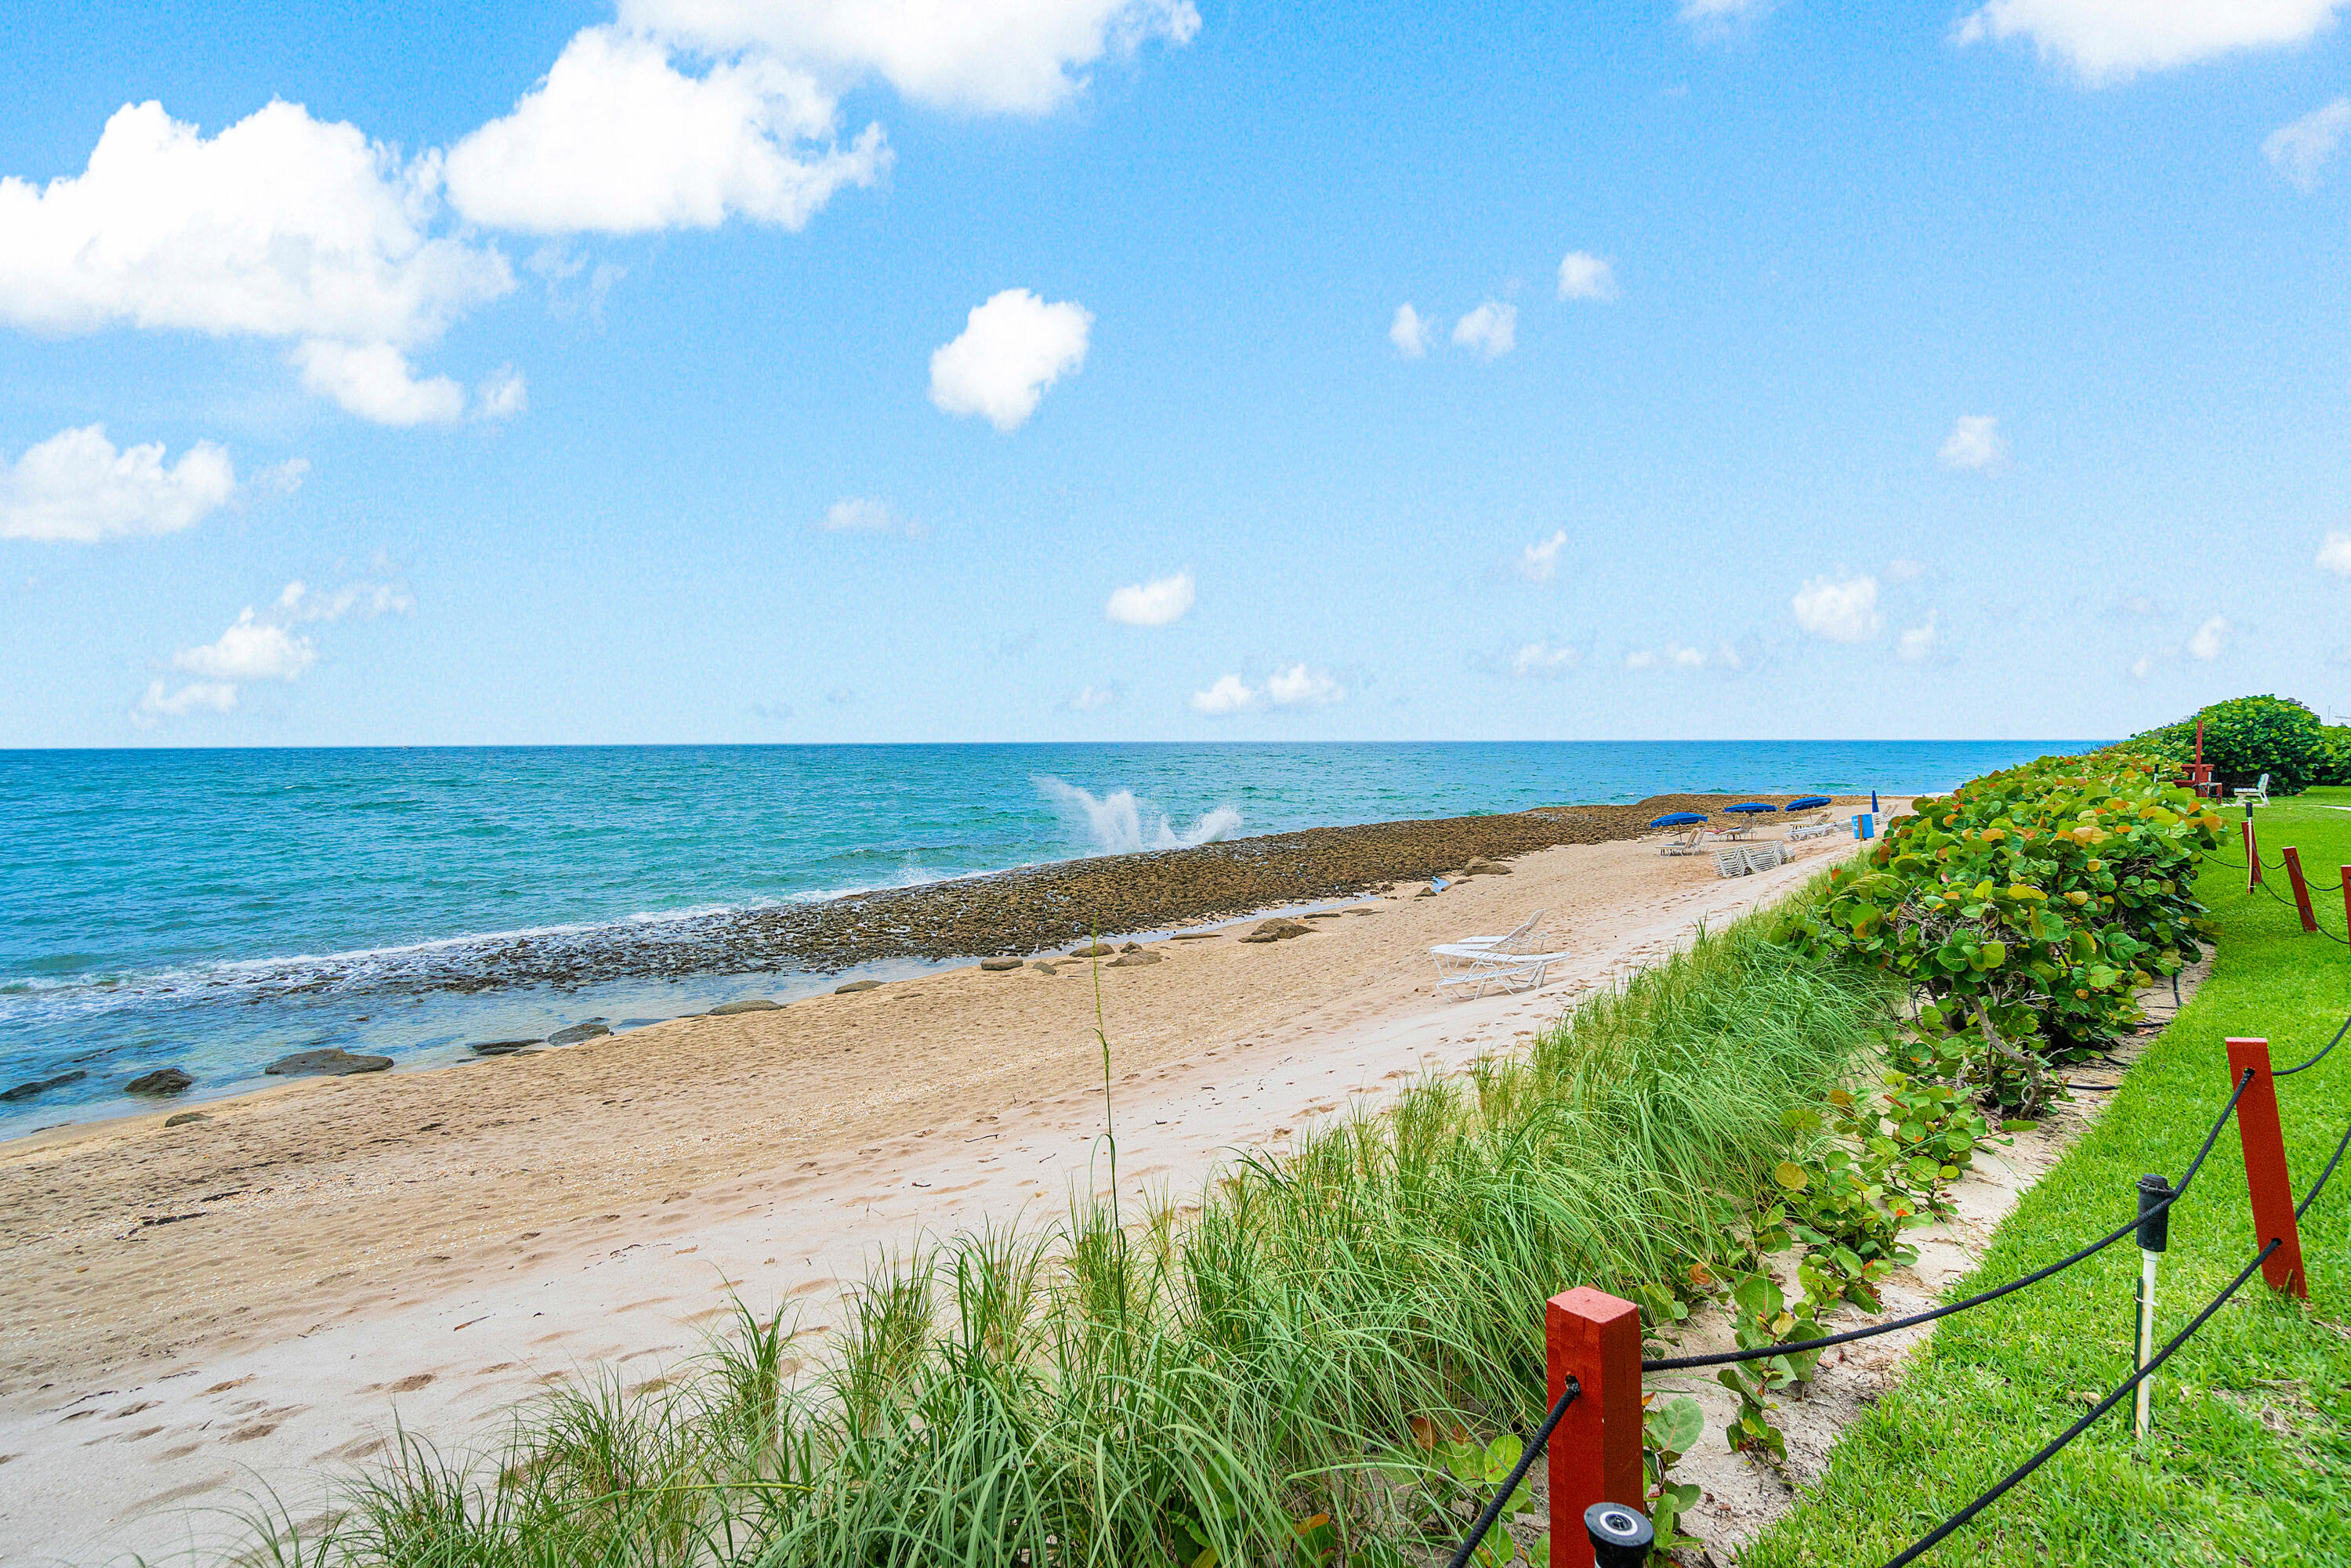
<point>1765,855</point>
<point>1475,962</point>
<point>1731,859</point>
<point>2256,794</point>
<point>1686,844</point>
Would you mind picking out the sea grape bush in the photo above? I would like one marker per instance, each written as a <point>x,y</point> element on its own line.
<point>2245,737</point>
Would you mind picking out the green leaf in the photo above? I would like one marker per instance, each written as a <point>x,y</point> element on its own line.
<point>1790,1174</point>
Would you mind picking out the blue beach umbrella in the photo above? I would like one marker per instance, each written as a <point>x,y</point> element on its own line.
<point>1806,804</point>
<point>1751,807</point>
<point>1678,820</point>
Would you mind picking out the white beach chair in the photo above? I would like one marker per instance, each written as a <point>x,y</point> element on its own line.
<point>1764,855</point>
<point>1475,962</point>
<point>1804,830</point>
<point>2255,794</point>
<point>1687,843</point>
<point>1731,859</point>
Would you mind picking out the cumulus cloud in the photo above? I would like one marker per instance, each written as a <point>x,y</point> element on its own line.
<point>503,396</point>
<point>1538,562</point>
<point>1584,276</point>
<point>1011,349</point>
<point>1919,643</point>
<point>1492,330</point>
<point>376,381</point>
<point>2334,554</point>
<point>1409,332</point>
<point>1017,57</point>
<point>2300,150</point>
<point>264,647</point>
<point>211,695</point>
<point>1839,608</point>
<point>1092,699</point>
<point>1298,686</point>
<point>857,515</point>
<point>1975,444</point>
<point>297,603</point>
<point>76,486</point>
<point>2106,41</point>
<point>2209,640</point>
<point>616,140</point>
<point>1230,695</point>
<point>1154,603</point>
<point>1543,660</point>
<point>250,650</point>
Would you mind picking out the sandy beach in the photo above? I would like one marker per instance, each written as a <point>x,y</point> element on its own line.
<point>192,1313</point>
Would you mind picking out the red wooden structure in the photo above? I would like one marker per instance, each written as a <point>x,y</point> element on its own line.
<point>2198,775</point>
<point>1596,1454</point>
<point>2301,888</point>
<point>2265,1174</point>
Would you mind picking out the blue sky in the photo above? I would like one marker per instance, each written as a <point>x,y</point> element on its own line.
<point>873,370</point>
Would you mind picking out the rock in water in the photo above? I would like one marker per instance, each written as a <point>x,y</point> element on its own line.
<point>166,1080</point>
<point>502,1047</point>
<point>27,1091</point>
<point>1135,959</point>
<point>333,1062</point>
<point>855,986</point>
<point>998,965</point>
<point>747,1005</point>
<point>578,1032</point>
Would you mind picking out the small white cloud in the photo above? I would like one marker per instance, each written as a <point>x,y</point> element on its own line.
<point>2300,150</point>
<point>1409,332</point>
<point>1011,349</point>
<point>1092,699</point>
<point>250,650</point>
<point>858,515</point>
<point>1905,570</point>
<point>1230,695</point>
<point>76,486</point>
<point>213,695</point>
<point>2142,667</point>
<point>1543,660</point>
<point>504,395</point>
<point>1539,560</point>
<point>1154,603</point>
<point>1843,609</point>
<point>1492,330</point>
<point>299,603</point>
<point>1975,444</point>
<point>1714,20</point>
<point>1584,276</point>
<point>1298,686</point>
<point>2106,41</point>
<point>1919,643</point>
<point>376,381</point>
<point>2210,640</point>
<point>1680,656</point>
<point>2334,554</point>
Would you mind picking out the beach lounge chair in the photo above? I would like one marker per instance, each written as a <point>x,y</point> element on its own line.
<point>1731,859</point>
<point>1804,830</point>
<point>1475,962</point>
<point>2255,794</point>
<point>1685,843</point>
<point>1765,855</point>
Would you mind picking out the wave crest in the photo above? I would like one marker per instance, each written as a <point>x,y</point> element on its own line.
<point>1121,824</point>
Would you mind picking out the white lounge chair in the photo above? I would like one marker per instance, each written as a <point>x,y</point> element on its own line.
<point>2256,794</point>
<point>1764,855</point>
<point>1689,842</point>
<point>1804,830</point>
<point>1475,962</point>
<point>1731,859</point>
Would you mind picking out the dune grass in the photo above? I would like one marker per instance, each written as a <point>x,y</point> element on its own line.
<point>1142,1388</point>
<point>2249,1460</point>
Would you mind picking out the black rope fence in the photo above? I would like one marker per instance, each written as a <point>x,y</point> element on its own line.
<point>1527,1456</point>
<point>2330,1045</point>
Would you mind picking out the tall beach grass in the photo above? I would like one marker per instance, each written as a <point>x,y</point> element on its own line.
<point>1131,1389</point>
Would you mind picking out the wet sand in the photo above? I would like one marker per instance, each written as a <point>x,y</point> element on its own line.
<point>189,1311</point>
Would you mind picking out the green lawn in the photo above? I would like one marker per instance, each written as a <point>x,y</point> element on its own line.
<point>2250,1457</point>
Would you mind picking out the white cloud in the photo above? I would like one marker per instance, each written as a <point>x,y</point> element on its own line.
<point>2334,554</point>
<point>1092,699</point>
<point>376,381</point>
<point>1974,445</point>
<point>2210,640</point>
<point>1230,695</point>
<point>1584,276</point>
<point>74,485</point>
<point>1717,19</point>
<point>1409,332</point>
<point>1541,660</point>
<point>1919,643</point>
<point>1020,56</point>
<point>298,602</point>
<point>1843,609</point>
<point>1492,330</point>
<point>1154,603</point>
<point>2105,41</point>
<point>1298,686</point>
<point>158,704</point>
<point>2300,150</point>
<point>616,140</point>
<point>1539,560</point>
<point>502,396</point>
<point>1011,349</point>
<point>1680,657</point>
<point>855,514</point>
<point>1905,570</point>
<point>250,650</point>
<point>2142,667</point>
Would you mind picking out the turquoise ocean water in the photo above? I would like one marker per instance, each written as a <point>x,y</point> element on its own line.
<point>215,910</point>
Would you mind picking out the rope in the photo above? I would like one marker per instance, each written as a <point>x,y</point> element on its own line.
<point>1518,1473</point>
<point>2330,1045</point>
<point>1761,1353</point>
<point>2082,1426</point>
<point>2323,1176</point>
<point>2283,904</point>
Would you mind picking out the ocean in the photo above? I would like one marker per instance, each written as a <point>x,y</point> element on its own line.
<point>215,910</point>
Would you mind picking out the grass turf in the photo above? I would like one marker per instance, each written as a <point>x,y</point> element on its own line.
<point>2249,1460</point>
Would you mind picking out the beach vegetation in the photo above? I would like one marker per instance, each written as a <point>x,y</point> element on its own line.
<point>2245,737</point>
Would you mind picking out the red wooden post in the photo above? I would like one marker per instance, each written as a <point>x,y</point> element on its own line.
<point>1596,1453</point>
<point>2253,854</point>
<point>2346,898</point>
<point>2265,1174</point>
<point>2301,888</point>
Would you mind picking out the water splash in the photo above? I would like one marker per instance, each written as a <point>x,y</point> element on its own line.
<point>1120,824</point>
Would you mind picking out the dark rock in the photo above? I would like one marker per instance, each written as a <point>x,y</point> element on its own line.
<point>165,1081</point>
<point>1044,968</point>
<point>998,966</point>
<point>1487,868</point>
<point>1135,959</point>
<point>185,1117</point>
<point>578,1032</point>
<point>1196,935</point>
<point>332,1062</point>
<point>27,1091</point>
<point>1324,914</point>
<point>1280,930</point>
<point>855,986</point>
<point>1098,950</point>
<point>1132,947</point>
<point>502,1047</point>
<point>1260,937</point>
<point>748,1005</point>
<point>1362,909</point>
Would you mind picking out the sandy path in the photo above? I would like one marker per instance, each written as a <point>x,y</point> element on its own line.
<point>189,1312</point>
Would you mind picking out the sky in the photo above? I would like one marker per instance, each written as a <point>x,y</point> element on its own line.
<point>810,370</point>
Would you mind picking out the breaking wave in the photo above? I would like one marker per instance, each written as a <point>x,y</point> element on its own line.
<point>1120,824</point>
